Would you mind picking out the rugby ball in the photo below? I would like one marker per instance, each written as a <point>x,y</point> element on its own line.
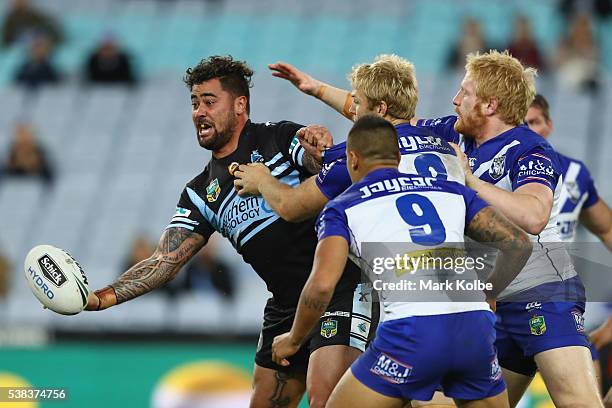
<point>56,279</point>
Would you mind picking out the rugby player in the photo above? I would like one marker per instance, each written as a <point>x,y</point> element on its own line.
<point>280,252</point>
<point>517,172</point>
<point>419,346</point>
<point>540,324</point>
<point>580,203</point>
<point>387,88</point>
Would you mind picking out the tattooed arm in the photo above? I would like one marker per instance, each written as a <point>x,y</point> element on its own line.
<point>329,261</point>
<point>175,248</point>
<point>491,228</point>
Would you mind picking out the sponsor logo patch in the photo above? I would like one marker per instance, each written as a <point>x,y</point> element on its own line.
<point>213,190</point>
<point>391,370</point>
<point>51,271</point>
<point>533,305</point>
<point>537,324</point>
<point>329,328</point>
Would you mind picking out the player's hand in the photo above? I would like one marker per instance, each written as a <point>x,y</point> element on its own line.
<point>602,336</point>
<point>492,304</point>
<point>465,164</point>
<point>315,139</point>
<point>93,302</point>
<point>248,177</point>
<point>299,79</point>
<point>284,347</point>
<point>608,399</point>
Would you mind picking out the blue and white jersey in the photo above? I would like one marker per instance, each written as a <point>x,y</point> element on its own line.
<point>423,153</point>
<point>387,206</point>
<point>510,160</point>
<point>579,193</point>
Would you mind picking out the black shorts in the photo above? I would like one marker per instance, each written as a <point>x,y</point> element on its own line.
<point>350,319</point>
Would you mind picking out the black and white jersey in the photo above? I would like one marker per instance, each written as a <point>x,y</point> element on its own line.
<point>280,252</point>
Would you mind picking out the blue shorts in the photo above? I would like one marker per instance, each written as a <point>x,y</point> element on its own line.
<point>411,358</point>
<point>526,329</point>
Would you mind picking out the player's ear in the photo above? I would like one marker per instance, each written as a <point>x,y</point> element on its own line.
<point>353,160</point>
<point>491,107</point>
<point>240,105</point>
<point>382,108</point>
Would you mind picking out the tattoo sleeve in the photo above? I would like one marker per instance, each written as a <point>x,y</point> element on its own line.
<point>175,248</point>
<point>491,228</point>
<point>311,164</point>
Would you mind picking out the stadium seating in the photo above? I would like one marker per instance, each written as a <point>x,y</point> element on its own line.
<point>124,154</point>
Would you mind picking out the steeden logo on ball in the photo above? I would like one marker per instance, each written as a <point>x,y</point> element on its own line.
<point>51,271</point>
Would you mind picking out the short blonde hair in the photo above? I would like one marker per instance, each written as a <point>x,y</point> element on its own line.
<point>391,79</point>
<point>498,75</point>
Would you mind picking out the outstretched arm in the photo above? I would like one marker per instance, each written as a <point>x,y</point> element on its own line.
<point>337,98</point>
<point>175,248</point>
<point>491,228</point>
<point>293,204</point>
<point>598,219</point>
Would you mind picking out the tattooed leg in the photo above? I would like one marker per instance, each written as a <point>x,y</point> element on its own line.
<point>275,389</point>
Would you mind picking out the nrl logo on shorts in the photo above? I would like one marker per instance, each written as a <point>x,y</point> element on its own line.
<point>213,190</point>
<point>329,328</point>
<point>537,324</point>
<point>497,167</point>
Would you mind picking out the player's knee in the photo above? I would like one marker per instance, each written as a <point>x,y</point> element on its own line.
<point>318,395</point>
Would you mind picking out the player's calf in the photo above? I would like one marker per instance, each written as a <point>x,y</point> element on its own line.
<point>276,389</point>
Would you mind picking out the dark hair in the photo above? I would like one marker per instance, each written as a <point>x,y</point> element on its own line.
<point>541,103</point>
<point>374,138</point>
<point>235,76</point>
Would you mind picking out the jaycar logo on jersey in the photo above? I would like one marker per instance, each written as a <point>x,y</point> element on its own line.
<point>396,185</point>
<point>498,165</point>
<point>51,271</point>
<point>391,370</point>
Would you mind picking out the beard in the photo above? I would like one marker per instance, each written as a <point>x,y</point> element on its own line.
<point>222,131</point>
<point>470,124</point>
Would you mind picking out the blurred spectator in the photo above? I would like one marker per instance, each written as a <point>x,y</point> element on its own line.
<point>109,63</point>
<point>577,55</point>
<point>207,272</point>
<point>26,158</point>
<point>38,69</point>
<point>204,273</point>
<point>24,20</point>
<point>471,41</point>
<point>141,249</point>
<point>4,278</point>
<point>523,46</point>
<point>600,8</point>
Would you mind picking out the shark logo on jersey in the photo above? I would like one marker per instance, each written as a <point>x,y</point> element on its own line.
<point>573,191</point>
<point>498,166</point>
<point>256,157</point>
<point>213,190</point>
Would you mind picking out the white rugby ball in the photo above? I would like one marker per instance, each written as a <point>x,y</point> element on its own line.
<point>56,279</point>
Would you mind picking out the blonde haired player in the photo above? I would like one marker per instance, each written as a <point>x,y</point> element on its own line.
<point>539,316</point>
<point>386,87</point>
